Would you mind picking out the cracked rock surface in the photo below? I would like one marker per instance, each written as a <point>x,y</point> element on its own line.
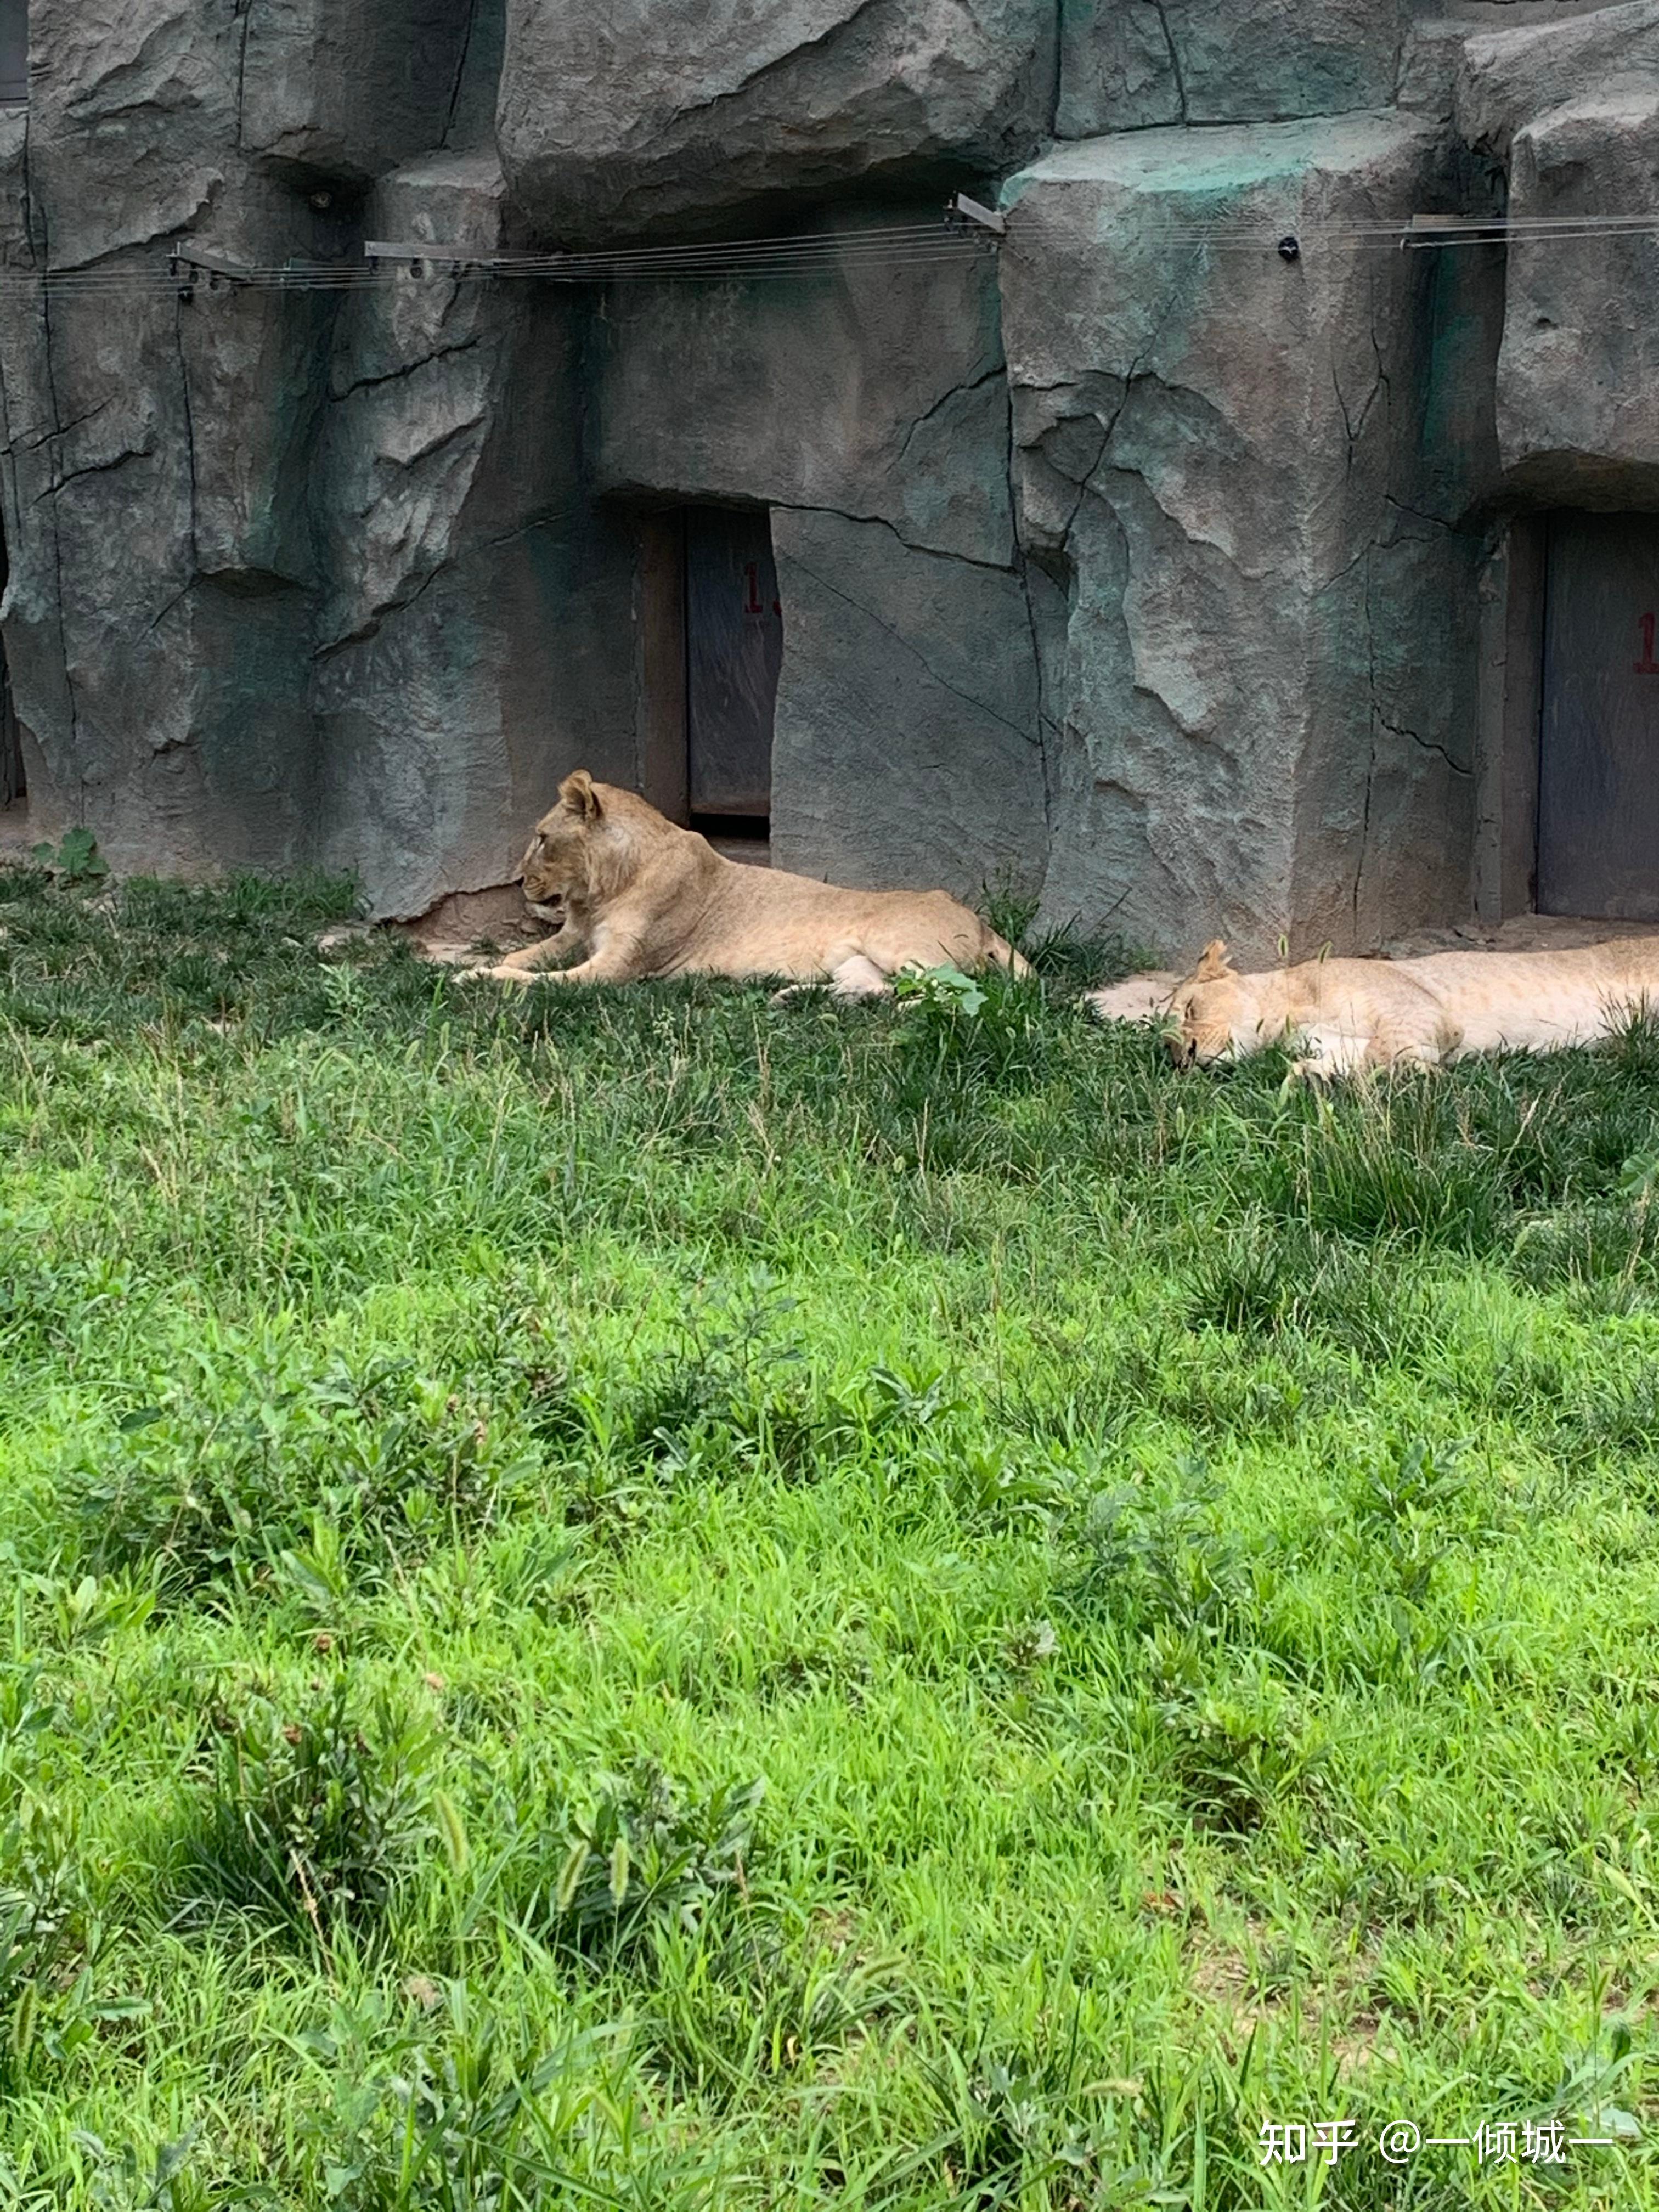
<point>1126,65</point>
<point>644,113</point>
<point>1571,107</point>
<point>453,678</point>
<point>893,651</point>
<point>1114,563</point>
<point>1578,375</point>
<point>876,390</point>
<point>868,408</point>
<point>1226,468</point>
<point>296,578</point>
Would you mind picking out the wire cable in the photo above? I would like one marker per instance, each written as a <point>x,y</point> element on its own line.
<point>885,248</point>
<point>889,247</point>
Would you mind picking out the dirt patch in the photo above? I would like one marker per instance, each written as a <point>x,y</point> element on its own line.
<point>1247,1988</point>
<point>451,931</point>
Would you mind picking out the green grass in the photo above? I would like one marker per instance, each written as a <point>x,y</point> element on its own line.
<point>651,1599</point>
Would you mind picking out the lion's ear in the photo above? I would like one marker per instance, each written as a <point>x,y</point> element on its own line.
<point>577,792</point>
<point>1212,963</point>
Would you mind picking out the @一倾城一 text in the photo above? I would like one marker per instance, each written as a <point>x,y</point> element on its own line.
<point>1494,2142</point>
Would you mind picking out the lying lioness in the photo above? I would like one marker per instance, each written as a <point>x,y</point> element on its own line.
<point>1350,1015</point>
<point>648,899</point>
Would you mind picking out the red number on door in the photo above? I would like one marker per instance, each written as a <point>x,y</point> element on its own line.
<point>754,606</point>
<point>1647,665</point>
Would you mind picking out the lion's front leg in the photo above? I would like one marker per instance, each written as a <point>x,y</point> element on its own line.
<point>615,959</point>
<point>517,967</point>
<point>1413,1052</point>
<point>1328,1055</point>
<point>858,977</point>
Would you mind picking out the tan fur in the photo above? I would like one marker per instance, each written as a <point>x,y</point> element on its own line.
<point>645,899</point>
<point>1354,1015</point>
<point>1137,998</point>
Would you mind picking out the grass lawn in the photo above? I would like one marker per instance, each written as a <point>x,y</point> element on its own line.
<point>648,1599</point>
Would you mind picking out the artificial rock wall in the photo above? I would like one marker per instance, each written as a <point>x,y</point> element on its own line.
<point>1133,568</point>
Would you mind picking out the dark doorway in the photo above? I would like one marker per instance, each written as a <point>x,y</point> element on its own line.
<point>711,640</point>
<point>1598,759</point>
<point>733,651</point>
<point>12,788</point>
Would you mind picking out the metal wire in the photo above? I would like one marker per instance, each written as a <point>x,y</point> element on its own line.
<point>889,247</point>
<point>892,246</point>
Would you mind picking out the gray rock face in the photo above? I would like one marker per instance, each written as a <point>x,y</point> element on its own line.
<point>1579,376</point>
<point>1118,70</point>
<point>1505,77</point>
<point>661,111</point>
<point>1143,567</point>
<point>868,408</point>
<point>872,390</point>
<point>349,88</point>
<point>1572,107</point>
<point>1129,64</point>
<point>293,577</point>
<point>458,674</point>
<point>1217,455</point>
<point>136,703</point>
<point>132,121</point>
<point>159,485</point>
<point>913,675</point>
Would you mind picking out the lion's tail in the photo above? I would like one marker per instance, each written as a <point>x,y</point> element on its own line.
<point>998,949</point>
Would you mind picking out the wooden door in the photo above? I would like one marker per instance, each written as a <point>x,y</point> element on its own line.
<point>733,651</point>
<point>1598,761</point>
<point>11,743</point>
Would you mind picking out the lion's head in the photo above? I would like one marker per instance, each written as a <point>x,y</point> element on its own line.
<point>580,853</point>
<point>1212,1011</point>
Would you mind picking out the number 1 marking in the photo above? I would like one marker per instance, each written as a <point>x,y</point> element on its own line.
<point>754,607</point>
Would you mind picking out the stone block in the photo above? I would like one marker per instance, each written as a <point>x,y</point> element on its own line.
<point>907,750</point>
<point>1505,77</point>
<point>617,121</point>
<point>1223,470</point>
<point>1578,375</point>
<point>1126,65</point>
<point>347,89</point>
<point>877,391</point>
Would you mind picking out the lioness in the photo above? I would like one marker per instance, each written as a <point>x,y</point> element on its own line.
<point>648,899</point>
<point>1350,1015</point>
